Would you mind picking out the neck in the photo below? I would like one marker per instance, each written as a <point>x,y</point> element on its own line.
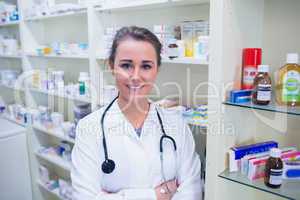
<point>135,111</point>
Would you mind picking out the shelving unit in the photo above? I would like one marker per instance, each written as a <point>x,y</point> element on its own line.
<point>188,61</point>
<point>272,107</point>
<point>150,4</point>
<point>59,56</point>
<point>11,87</point>
<point>56,160</point>
<point>289,189</point>
<point>66,96</point>
<point>10,56</point>
<point>13,120</point>
<point>185,61</point>
<point>54,133</point>
<point>87,26</point>
<point>9,23</point>
<point>60,15</point>
<point>54,192</point>
<point>197,124</point>
<point>236,25</point>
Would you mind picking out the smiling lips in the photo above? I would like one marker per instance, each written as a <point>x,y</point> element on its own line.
<point>134,88</point>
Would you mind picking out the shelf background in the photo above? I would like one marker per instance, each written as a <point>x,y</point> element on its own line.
<point>88,27</point>
<point>9,24</point>
<point>288,189</point>
<point>235,25</point>
<point>56,160</point>
<point>190,74</point>
<point>11,30</point>
<point>52,192</point>
<point>272,107</point>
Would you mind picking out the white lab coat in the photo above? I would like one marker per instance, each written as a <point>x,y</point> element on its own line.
<point>137,159</point>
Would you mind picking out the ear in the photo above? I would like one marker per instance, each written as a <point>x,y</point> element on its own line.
<point>111,67</point>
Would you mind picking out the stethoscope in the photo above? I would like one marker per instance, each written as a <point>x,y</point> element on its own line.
<point>108,166</point>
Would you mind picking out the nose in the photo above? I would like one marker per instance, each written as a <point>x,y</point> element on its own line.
<point>135,73</point>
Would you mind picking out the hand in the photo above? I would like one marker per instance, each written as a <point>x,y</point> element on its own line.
<point>106,192</point>
<point>166,190</point>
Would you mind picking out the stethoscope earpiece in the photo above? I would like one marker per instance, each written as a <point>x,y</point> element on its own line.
<point>108,166</point>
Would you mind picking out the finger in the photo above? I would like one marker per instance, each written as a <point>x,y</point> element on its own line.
<point>172,186</point>
<point>177,183</point>
<point>105,192</point>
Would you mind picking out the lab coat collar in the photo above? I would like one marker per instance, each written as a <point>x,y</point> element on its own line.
<point>116,120</point>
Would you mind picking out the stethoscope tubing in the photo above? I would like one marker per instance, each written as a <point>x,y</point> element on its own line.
<point>108,165</point>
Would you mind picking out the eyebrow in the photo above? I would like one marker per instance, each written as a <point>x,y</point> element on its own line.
<point>144,61</point>
<point>148,61</point>
<point>126,60</point>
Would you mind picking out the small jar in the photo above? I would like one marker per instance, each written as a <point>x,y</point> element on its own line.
<point>274,169</point>
<point>262,86</point>
<point>172,50</point>
<point>83,80</point>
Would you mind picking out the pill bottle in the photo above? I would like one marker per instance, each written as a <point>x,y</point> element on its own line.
<point>274,169</point>
<point>172,50</point>
<point>262,87</point>
<point>83,80</point>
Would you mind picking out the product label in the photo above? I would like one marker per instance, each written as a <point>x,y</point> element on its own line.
<point>276,176</point>
<point>291,87</point>
<point>172,52</point>
<point>82,88</point>
<point>249,74</point>
<point>264,92</point>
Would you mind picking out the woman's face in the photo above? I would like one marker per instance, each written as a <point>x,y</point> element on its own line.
<point>135,69</point>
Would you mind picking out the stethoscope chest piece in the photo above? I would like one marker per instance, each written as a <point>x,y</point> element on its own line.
<point>108,166</point>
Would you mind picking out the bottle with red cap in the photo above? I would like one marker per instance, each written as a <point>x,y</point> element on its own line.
<point>251,59</point>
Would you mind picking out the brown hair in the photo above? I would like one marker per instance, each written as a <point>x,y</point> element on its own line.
<point>136,33</point>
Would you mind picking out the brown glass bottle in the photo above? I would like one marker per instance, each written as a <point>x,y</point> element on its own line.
<point>262,86</point>
<point>274,168</point>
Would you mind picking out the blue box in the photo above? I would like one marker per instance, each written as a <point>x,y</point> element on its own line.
<point>240,96</point>
<point>241,151</point>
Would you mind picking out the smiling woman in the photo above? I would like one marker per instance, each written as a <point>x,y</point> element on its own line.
<point>132,149</point>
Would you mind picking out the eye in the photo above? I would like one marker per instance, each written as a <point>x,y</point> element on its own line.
<point>146,66</point>
<point>126,65</point>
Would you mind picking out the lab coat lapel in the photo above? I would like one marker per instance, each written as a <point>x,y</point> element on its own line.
<point>150,126</point>
<point>118,124</point>
<point>113,119</point>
